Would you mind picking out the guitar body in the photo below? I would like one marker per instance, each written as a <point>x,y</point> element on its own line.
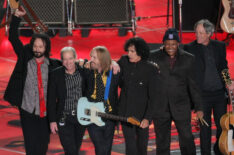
<point>14,4</point>
<point>227,20</point>
<point>225,121</point>
<point>86,119</point>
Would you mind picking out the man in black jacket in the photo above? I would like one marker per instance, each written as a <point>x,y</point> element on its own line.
<point>140,88</point>
<point>210,60</point>
<point>67,84</point>
<point>27,88</point>
<point>66,87</point>
<point>178,93</point>
<point>98,90</point>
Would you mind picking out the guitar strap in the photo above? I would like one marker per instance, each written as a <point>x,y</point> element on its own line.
<point>36,29</point>
<point>107,90</point>
<point>35,17</point>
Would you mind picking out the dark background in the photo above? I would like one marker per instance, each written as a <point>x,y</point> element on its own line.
<point>194,10</point>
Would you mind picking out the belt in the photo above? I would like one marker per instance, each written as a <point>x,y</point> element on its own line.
<point>72,112</point>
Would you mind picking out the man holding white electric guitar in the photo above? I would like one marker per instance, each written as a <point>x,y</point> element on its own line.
<point>102,100</point>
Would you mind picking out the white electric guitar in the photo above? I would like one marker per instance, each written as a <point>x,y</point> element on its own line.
<point>90,112</point>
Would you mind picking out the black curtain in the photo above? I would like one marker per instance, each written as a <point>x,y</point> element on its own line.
<point>194,10</point>
<point>2,10</point>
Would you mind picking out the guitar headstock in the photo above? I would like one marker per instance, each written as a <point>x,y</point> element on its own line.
<point>133,121</point>
<point>226,77</point>
<point>40,28</point>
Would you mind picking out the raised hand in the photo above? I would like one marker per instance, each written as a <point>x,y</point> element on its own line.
<point>20,12</point>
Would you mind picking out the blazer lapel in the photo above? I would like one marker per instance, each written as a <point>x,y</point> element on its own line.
<point>63,83</point>
<point>164,63</point>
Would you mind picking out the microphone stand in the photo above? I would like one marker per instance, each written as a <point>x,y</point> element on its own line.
<point>180,18</point>
<point>133,16</point>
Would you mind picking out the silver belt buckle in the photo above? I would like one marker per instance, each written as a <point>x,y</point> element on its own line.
<point>73,112</point>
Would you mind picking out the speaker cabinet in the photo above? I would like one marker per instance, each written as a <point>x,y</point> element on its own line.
<point>102,12</point>
<point>48,11</point>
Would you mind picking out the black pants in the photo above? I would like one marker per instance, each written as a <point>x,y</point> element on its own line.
<point>136,139</point>
<point>102,137</point>
<point>71,135</point>
<point>36,133</point>
<point>216,102</point>
<point>162,129</point>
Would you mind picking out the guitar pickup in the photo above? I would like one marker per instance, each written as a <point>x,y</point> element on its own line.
<point>85,119</point>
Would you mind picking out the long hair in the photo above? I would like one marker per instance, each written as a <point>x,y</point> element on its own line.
<point>103,57</point>
<point>46,40</point>
<point>142,48</point>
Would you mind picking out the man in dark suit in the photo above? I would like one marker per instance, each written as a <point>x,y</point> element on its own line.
<point>27,88</point>
<point>210,60</point>
<point>140,86</point>
<point>66,86</point>
<point>178,93</point>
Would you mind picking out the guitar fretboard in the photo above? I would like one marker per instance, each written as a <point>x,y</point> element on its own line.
<point>108,116</point>
<point>228,82</point>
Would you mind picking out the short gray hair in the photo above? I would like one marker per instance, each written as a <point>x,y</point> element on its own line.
<point>208,26</point>
<point>66,49</point>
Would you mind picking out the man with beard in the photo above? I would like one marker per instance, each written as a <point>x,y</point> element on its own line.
<point>178,90</point>
<point>27,88</point>
<point>102,86</point>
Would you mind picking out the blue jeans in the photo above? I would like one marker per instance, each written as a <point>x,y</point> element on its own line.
<point>102,137</point>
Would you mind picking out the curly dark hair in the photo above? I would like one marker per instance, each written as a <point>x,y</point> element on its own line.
<point>46,40</point>
<point>142,48</point>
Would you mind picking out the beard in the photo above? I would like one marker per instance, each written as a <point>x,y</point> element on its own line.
<point>38,54</point>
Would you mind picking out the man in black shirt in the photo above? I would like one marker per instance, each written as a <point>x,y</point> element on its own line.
<point>66,86</point>
<point>140,88</point>
<point>210,60</point>
<point>179,94</point>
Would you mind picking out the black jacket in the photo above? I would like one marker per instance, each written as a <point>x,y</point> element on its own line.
<point>57,92</point>
<point>219,51</point>
<point>140,88</point>
<point>15,87</point>
<point>179,90</point>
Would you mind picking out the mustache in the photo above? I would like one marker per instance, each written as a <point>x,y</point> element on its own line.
<point>35,52</point>
<point>38,54</point>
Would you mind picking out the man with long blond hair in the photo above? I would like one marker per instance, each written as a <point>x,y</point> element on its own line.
<point>102,136</point>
